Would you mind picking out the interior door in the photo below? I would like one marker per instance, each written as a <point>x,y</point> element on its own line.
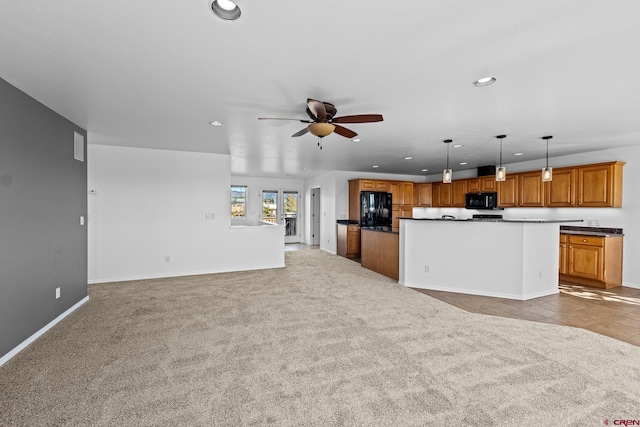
<point>281,207</point>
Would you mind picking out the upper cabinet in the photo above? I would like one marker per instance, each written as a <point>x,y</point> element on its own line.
<point>561,191</point>
<point>372,185</point>
<point>481,184</point>
<point>422,194</point>
<point>600,185</point>
<point>449,195</point>
<point>530,190</point>
<point>595,185</point>
<point>508,191</point>
<point>458,189</point>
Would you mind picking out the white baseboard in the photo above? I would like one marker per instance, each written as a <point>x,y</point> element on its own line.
<point>4,359</point>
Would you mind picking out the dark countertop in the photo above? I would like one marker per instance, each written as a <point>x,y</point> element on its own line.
<point>591,231</point>
<point>523,220</point>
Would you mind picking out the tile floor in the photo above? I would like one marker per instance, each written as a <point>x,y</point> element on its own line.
<point>613,312</point>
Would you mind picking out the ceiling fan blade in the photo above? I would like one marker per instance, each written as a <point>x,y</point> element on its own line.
<point>317,108</point>
<point>279,118</point>
<point>343,131</point>
<point>358,118</point>
<point>301,132</point>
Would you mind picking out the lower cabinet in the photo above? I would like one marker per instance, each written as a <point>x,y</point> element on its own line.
<point>380,252</point>
<point>349,241</point>
<point>592,260</point>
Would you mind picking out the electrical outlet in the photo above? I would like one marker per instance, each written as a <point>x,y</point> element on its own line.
<point>81,219</point>
<point>57,292</point>
<point>209,216</point>
<point>167,259</point>
<point>596,222</point>
<point>540,275</point>
<point>427,268</point>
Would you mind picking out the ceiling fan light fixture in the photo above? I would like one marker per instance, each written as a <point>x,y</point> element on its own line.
<point>225,9</point>
<point>484,81</point>
<point>321,129</point>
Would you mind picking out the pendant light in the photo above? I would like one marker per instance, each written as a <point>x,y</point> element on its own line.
<point>547,172</point>
<point>501,171</point>
<point>446,174</point>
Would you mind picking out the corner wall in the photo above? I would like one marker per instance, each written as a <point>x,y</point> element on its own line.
<point>43,194</point>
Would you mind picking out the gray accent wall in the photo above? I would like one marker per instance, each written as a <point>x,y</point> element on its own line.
<point>43,194</point>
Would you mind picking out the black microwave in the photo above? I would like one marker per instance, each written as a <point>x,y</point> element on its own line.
<point>481,200</point>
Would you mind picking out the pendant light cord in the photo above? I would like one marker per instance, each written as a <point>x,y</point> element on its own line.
<point>547,153</point>
<point>447,156</point>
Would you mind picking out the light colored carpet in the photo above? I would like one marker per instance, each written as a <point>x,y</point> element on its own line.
<point>321,342</point>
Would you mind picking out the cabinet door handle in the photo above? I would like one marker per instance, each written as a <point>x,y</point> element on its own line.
<point>584,240</point>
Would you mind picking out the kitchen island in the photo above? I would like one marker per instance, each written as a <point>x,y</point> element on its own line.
<point>515,259</point>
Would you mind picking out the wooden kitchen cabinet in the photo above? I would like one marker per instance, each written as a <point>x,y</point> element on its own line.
<point>563,262</point>
<point>482,184</point>
<point>508,192</point>
<point>349,241</point>
<point>422,194</point>
<point>380,252</point>
<point>594,261</point>
<point>402,202</point>
<point>561,191</point>
<point>458,191</point>
<point>600,185</point>
<point>530,190</point>
<point>441,195</point>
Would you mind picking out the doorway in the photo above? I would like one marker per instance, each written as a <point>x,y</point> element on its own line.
<point>281,207</point>
<point>315,216</point>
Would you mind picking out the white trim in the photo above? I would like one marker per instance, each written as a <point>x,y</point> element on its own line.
<point>519,297</point>
<point>631,285</point>
<point>4,359</point>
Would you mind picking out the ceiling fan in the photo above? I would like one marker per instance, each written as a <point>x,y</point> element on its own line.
<point>323,121</point>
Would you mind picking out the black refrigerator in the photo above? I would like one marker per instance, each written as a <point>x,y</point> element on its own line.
<point>375,209</point>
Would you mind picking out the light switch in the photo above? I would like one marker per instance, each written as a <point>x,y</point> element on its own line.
<point>81,219</point>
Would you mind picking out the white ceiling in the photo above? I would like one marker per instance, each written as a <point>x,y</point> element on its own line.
<point>154,74</point>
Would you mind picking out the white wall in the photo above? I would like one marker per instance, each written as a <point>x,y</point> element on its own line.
<point>149,204</point>
<point>625,217</point>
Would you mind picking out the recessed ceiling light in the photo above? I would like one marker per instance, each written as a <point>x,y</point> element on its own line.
<point>518,154</point>
<point>374,166</point>
<point>484,81</point>
<point>408,158</point>
<point>457,146</point>
<point>225,9</point>
<point>356,140</point>
<point>216,123</point>
<point>463,163</point>
<point>425,170</point>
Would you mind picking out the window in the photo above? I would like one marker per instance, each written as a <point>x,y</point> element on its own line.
<point>238,201</point>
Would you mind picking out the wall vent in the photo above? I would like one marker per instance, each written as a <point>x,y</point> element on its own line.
<point>78,146</point>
